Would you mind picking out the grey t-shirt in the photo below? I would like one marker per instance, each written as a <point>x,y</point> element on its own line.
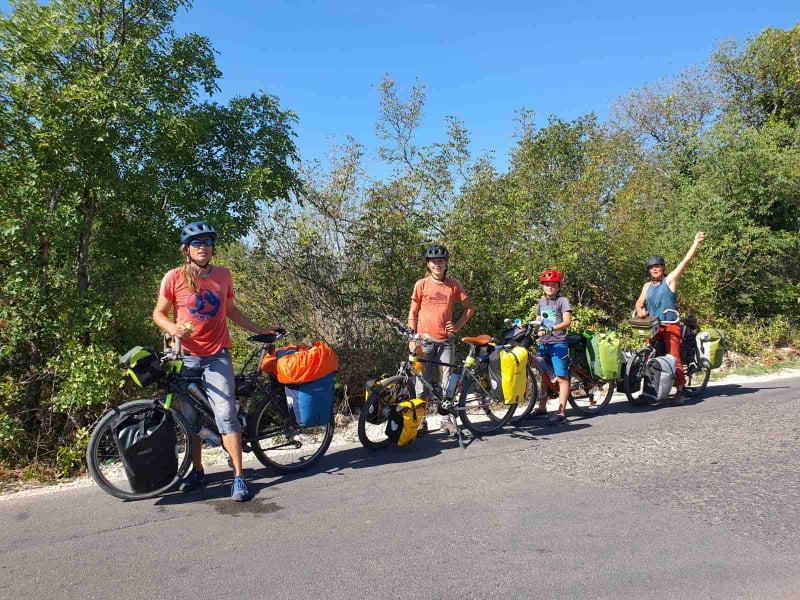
<point>551,313</point>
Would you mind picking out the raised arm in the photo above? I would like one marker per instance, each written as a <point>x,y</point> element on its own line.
<point>676,273</point>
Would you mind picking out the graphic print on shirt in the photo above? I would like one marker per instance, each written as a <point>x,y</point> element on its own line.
<point>204,305</point>
<point>438,298</point>
<point>549,317</point>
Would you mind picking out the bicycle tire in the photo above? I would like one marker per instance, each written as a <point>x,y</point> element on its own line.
<point>375,413</point>
<point>605,389</point>
<point>284,431</point>
<point>705,369</point>
<point>634,381</point>
<point>479,416</point>
<point>523,409</point>
<point>102,457</point>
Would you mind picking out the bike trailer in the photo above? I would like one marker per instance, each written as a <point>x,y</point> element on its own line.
<point>142,365</point>
<point>405,420</point>
<point>604,356</point>
<point>312,402</point>
<point>508,375</point>
<point>147,445</point>
<point>709,344</point>
<point>307,364</point>
<point>660,374</point>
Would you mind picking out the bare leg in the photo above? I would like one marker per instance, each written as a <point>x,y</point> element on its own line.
<point>233,444</point>
<point>197,454</point>
<point>563,394</point>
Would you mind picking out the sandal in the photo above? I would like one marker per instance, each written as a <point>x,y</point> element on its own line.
<point>558,419</point>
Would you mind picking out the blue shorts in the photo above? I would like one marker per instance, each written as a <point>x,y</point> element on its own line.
<point>558,356</point>
<point>220,388</point>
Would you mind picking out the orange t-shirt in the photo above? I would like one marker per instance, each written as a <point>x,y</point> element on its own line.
<point>206,310</point>
<point>436,302</point>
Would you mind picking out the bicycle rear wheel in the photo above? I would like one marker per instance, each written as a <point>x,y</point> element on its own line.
<point>479,410</point>
<point>105,464</point>
<point>524,408</point>
<point>280,443</point>
<point>589,397</point>
<point>697,377</point>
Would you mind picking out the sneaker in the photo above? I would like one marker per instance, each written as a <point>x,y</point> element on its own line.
<point>681,397</point>
<point>239,491</point>
<point>557,419</point>
<point>537,413</point>
<point>194,481</point>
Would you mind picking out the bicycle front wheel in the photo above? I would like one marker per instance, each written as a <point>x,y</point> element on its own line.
<point>280,443</point>
<point>635,382</point>
<point>105,464</point>
<point>479,410</point>
<point>589,397</point>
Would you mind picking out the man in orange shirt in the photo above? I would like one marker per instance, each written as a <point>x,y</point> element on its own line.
<point>431,315</point>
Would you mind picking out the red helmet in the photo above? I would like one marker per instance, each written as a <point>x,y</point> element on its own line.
<point>551,276</point>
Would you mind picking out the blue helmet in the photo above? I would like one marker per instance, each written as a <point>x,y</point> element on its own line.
<point>197,229</point>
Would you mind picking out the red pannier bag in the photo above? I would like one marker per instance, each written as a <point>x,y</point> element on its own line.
<point>307,364</point>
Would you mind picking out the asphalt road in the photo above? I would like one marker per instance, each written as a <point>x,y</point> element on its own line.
<point>695,501</point>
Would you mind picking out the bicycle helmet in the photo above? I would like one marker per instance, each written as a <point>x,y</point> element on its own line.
<point>655,260</point>
<point>197,229</point>
<point>551,276</point>
<point>436,251</point>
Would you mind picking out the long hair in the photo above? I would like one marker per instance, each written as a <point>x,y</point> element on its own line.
<point>189,269</point>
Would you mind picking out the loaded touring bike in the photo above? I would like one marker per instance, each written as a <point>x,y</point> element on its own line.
<point>467,395</point>
<point>640,368</point>
<point>588,395</point>
<point>181,410</point>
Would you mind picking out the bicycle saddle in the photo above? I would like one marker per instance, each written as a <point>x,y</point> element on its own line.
<point>478,340</point>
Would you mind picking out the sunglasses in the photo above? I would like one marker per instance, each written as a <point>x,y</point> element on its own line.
<point>208,243</point>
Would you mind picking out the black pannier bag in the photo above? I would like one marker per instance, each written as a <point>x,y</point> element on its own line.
<point>147,446</point>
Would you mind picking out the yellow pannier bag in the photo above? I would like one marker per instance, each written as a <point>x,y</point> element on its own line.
<point>513,377</point>
<point>710,345</point>
<point>404,423</point>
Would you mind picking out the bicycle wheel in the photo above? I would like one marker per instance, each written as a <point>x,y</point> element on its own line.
<point>105,464</point>
<point>635,382</point>
<point>524,408</point>
<point>280,443</point>
<point>589,397</point>
<point>375,413</point>
<point>479,410</point>
<point>697,377</point>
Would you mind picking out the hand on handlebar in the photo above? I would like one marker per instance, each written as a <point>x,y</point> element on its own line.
<point>181,331</point>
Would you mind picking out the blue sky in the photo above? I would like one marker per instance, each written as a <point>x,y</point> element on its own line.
<point>480,61</point>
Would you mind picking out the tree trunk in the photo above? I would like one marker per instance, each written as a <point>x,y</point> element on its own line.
<point>45,237</point>
<point>88,210</point>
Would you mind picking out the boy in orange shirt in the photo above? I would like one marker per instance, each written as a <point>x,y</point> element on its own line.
<point>431,315</point>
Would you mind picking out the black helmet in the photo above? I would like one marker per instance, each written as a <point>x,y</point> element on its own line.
<point>197,229</point>
<point>655,260</point>
<point>436,251</point>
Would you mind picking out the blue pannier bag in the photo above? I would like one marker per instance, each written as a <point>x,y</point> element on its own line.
<point>312,402</point>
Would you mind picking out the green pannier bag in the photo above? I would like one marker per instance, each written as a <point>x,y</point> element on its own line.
<point>709,345</point>
<point>604,356</point>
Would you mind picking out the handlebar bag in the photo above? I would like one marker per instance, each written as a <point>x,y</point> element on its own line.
<point>660,373</point>
<point>508,374</point>
<point>147,445</point>
<point>307,364</point>
<point>142,365</point>
<point>710,345</point>
<point>644,327</point>
<point>405,421</point>
<point>604,356</point>
<point>312,402</point>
